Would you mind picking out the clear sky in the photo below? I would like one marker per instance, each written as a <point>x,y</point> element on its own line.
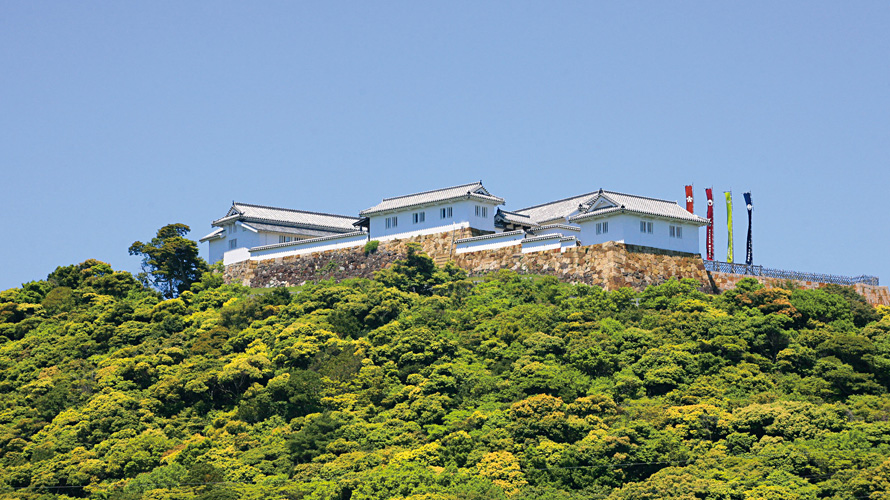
<point>117,118</point>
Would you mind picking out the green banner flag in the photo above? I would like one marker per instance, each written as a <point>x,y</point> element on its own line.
<point>729,225</point>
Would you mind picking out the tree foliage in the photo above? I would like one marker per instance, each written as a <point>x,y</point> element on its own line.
<point>421,385</point>
<point>170,262</point>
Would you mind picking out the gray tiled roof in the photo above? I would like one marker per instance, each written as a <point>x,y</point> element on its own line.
<point>552,227</point>
<point>491,236</point>
<point>543,237</point>
<point>622,202</point>
<point>287,217</point>
<point>555,210</point>
<point>277,228</point>
<point>514,218</point>
<point>216,233</point>
<point>474,191</point>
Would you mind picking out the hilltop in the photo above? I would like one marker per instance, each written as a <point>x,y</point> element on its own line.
<point>419,384</point>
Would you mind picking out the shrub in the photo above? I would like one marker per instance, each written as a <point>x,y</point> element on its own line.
<point>371,246</point>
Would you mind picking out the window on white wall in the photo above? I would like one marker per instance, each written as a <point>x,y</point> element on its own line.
<point>602,227</point>
<point>419,217</point>
<point>284,239</point>
<point>481,211</point>
<point>233,243</point>
<point>645,227</point>
<point>676,231</point>
<point>392,222</point>
<point>445,213</point>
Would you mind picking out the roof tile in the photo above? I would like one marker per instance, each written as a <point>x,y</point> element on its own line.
<point>637,204</point>
<point>473,190</point>
<point>289,217</point>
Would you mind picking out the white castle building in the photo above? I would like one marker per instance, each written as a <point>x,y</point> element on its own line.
<point>256,232</point>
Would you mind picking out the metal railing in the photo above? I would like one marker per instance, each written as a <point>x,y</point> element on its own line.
<point>733,268</point>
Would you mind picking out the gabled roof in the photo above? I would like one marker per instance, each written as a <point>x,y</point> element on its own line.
<point>559,209</point>
<point>287,217</point>
<point>216,233</point>
<point>465,191</point>
<point>504,217</point>
<point>621,202</point>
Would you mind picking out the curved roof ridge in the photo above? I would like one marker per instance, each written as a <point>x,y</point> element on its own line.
<point>479,183</point>
<point>638,196</point>
<point>513,213</point>
<point>558,201</point>
<point>295,210</point>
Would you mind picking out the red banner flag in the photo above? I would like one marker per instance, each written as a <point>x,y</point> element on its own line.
<point>689,207</point>
<point>709,242</point>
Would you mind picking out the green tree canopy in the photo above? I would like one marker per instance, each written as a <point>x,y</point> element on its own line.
<point>170,262</point>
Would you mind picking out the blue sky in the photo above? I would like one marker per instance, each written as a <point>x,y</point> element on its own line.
<point>117,118</point>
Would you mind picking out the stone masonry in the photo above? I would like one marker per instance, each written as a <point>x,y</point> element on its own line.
<point>875,295</point>
<point>340,264</point>
<point>610,265</point>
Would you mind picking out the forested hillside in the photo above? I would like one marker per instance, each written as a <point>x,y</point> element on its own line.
<point>420,384</point>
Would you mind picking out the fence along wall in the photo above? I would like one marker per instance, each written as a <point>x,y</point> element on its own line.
<point>725,276</point>
<point>754,271</point>
<point>875,295</point>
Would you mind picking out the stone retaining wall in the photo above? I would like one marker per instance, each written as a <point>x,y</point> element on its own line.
<point>875,295</point>
<point>341,263</point>
<point>609,265</point>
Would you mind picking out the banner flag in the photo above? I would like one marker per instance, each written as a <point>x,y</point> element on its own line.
<point>749,257</point>
<point>689,207</point>
<point>709,242</point>
<point>728,225</point>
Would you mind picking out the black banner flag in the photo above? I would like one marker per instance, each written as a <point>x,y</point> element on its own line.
<point>749,258</point>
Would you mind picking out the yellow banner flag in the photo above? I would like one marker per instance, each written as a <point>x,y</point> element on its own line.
<point>729,225</point>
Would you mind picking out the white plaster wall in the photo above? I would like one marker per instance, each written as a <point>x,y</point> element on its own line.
<point>300,248</point>
<point>267,238</point>
<point>540,246</point>
<point>617,226</point>
<point>236,255</point>
<point>220,246</point>
<point>463,214</point>
<point>489,243</point>
<point>554,230</point>
<point>422,232</point>
<point>563,245</point>
<point>216,249</point>
<point>626,228</point>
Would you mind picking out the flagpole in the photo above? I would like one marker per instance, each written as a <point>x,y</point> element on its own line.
<point>749,255</point>
<point>728,195</point>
